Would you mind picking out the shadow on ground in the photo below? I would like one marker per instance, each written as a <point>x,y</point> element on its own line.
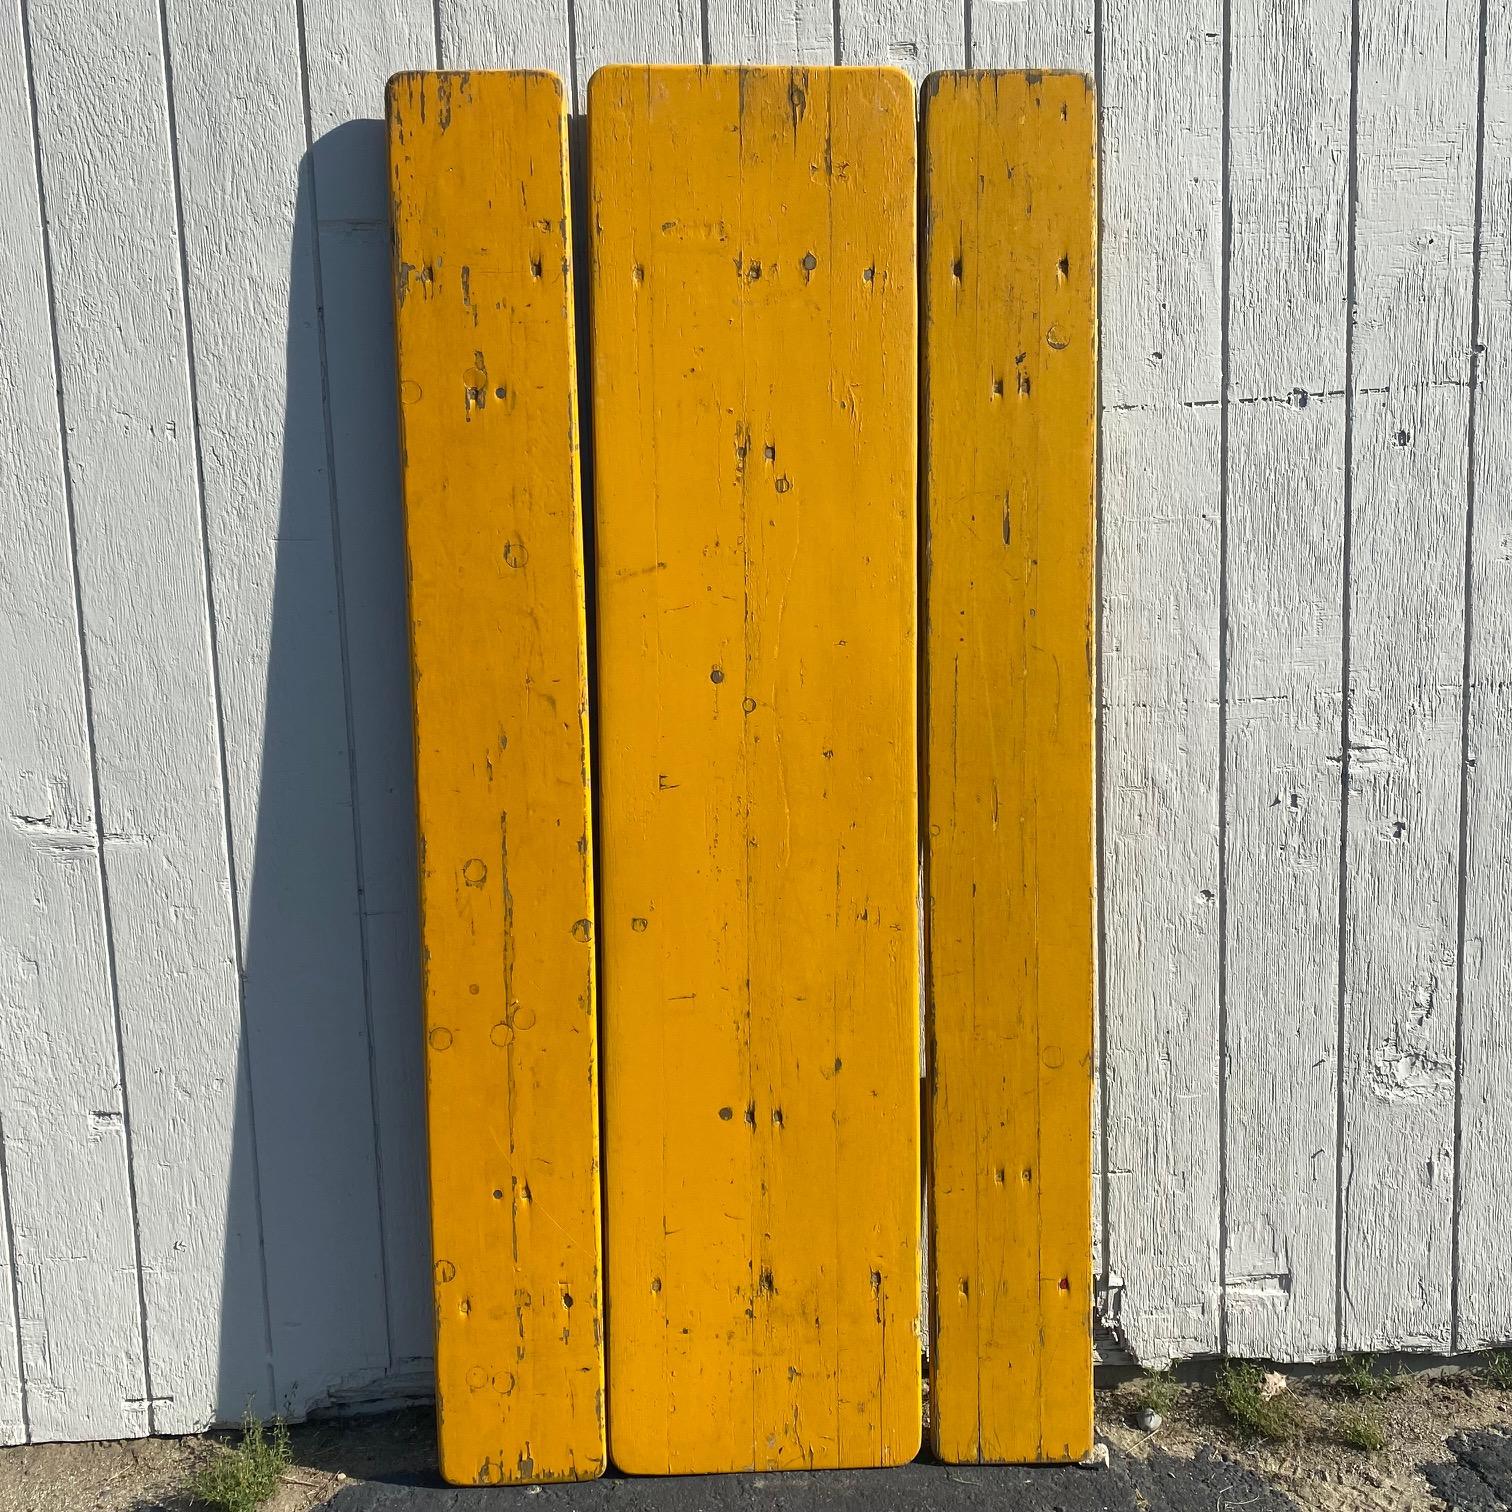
<point>1477,1479</point>
<point>1162,1483</point>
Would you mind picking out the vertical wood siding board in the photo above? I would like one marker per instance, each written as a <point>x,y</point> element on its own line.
<point>1409,420</point>
<point>171,1322</point>
<point>350,51</point>
<point>356,316</point>
<point>1161,375</point>
<point>15,1414</point>
<point>628,31</point>
<point>512,34</point>
<point>354,786</point>
<point>919,39</point>
<point>1287,328</point>
<point>51,837</point>
<point>276,623</point>
<point>1472,448</point>
<point>1346,683</point>
<point>1033,34</point>
<point>659,146</point>
<point>1225,294</point>
<point>91,1384</point>
<point>343,638</point>
<point>1482,1305</point>
<point>486,344</point>
<point>800,32</point>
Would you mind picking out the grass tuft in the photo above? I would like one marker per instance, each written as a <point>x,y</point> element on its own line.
<point>243,1478</point>
<point>1253,1414</point>
<point>1360,1430</point>
<point>1499,1369</point>
<point>1358,1375</point>
<point>1157,1390</point>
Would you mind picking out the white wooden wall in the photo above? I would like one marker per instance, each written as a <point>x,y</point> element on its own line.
<point>211,1176</point>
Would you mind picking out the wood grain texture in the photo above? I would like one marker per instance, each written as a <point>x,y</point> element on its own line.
<point>1033,34</point>
<point>1037,35</point>
<point>916,38</point>
<point>13,1405</point>
<point>176,1081</point>
<point>60,1099</point>
<point>800,32</point>
<point>1161,323</point>
<point>1484,1311</point>
<point>351,50</point>
<point>1009,350</point>
<point>484,315</point>
<point>480,34</point>
<point>625,31</point>
<point>1414,236</point>
<point>253,288</point>
<point>1287,327</point>
<point>754,418</point>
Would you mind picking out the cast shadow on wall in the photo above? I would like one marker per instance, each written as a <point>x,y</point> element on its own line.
<point>326,1299</point>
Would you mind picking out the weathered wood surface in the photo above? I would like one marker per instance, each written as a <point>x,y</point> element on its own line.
<point>1413,279</point>
<point>1286,321</point>
<point>1483,1310</point>
<point>351,49</point>
<point>754,374</point>
<point>1058,37</point>
<point>138,719</point>
<point>253,282</point>
<point>151,1106</point>
<point>916,38</point>
<point>1161,91</point>
<point>1009,351</point>
<point>494,530</point>
<point>61,1112</point>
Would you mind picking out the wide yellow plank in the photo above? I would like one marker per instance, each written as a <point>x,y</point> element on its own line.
<point>483,300</point>
<point>754,423</point>
<point>1010,437</point>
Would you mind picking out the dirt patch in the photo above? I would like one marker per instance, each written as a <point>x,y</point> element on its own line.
<point>1318,1469</point>
<point>149,1475</point>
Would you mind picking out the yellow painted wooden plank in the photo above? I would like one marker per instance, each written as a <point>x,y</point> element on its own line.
<point>1010,438</point>
<point>754,356</point>
<point>483,302</point>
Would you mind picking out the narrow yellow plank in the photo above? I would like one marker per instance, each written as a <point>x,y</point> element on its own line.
<point>1010,437</point>
<point>488,407</point>
<point>755,410</point>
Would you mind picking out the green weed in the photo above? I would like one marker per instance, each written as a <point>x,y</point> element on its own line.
<point>1255,1415</point>
<point>1499,1369</point>
<point>1360,1430</point>
<point>1358,1375</point>
<point>243,1478</point>
<point>1157,1390</point>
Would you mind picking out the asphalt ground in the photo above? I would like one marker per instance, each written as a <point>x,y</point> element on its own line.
<point>1161,1483</point>
<point>1477,1479</point>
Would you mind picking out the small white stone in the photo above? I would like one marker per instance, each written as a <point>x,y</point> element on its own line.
<point>1148,1419</point>
<point>1096,1456</point>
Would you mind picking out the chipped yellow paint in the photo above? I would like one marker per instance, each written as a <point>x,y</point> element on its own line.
<point>754,361</point>
<point>484,310</point>
<point>1009,426</point>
